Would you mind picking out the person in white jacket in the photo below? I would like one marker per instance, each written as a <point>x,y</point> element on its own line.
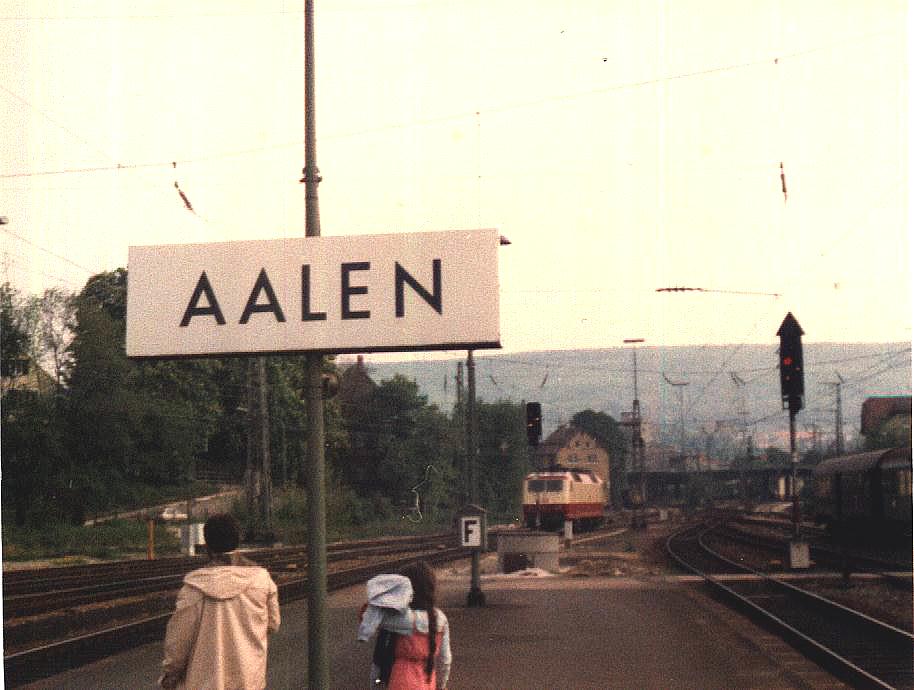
<point>217,636</point>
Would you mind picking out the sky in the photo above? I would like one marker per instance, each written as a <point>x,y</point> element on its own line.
<point>621,146</point>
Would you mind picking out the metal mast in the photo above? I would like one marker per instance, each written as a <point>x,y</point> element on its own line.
<point>638,519</point>
<point>318,657</point>
<point>679,385</point>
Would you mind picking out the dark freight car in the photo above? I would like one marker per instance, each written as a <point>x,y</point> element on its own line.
<point>866,493</point>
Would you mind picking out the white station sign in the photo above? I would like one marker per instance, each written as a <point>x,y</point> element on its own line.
<point>364,293</point>
<point>471,531</point>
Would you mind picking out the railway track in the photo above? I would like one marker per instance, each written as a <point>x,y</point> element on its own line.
<point>890,568</point>
<point>865,652</point>
<point>37,651</point>
<point>824,550</point>
<point>30,593</point>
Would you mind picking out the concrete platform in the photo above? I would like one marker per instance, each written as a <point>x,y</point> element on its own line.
<point>552,632</point>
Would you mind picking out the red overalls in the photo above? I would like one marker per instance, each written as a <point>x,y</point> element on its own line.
<point>410,655</point>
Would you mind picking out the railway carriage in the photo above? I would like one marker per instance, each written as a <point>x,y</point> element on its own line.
<point>554,496</point>
<point>866,493</point>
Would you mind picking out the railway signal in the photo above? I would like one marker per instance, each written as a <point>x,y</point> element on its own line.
<point>790,356</point>
<point>534,423</point>
<point>791,364</point>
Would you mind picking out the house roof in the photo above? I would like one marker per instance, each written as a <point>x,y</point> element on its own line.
<point>356,386</point>
<point>557,440</point>
<point>31,377</point>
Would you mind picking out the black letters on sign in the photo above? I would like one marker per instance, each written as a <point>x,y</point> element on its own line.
<point>262,284</point>
<point>433,298</point>
<point>306,313</point>
<point>347,290</point>
<point>203,288</point>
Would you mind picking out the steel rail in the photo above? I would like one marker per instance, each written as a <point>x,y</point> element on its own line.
<point>46,660</point>
<point>65,590</point>
<point>813,648</point>
<point>43,579</point>
<point>894,574</point>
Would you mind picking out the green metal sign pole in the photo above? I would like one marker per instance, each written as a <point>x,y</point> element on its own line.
<point>475,596</point>
<point>318,657</point>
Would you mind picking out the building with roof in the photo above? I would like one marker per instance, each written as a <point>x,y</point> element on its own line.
<point>574,449</point>
<point>356,387</point>
<point>24,374</point>
<point>876,411</point>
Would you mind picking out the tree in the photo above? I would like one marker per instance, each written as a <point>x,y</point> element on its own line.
<point>56,311</point>
<point>131,423</point>
<point>14,339</point>
<point>101,409</point>
<point>395,411</point>
<point>33,453</point>
<point>609,436</point>
<point>14,333</point>
<point>502,462</point>
<point>404,454</point>
<point>37,330</point>
<point>33,457</point>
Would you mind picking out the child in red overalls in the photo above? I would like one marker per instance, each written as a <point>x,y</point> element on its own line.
<point>422,651</point>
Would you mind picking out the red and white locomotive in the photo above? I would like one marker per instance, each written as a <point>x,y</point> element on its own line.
<point>551,497</point>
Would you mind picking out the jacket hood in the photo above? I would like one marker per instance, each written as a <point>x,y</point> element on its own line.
<point>226,581</point>
<point>390,591</point>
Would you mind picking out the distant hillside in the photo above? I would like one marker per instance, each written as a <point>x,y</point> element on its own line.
<point>568,381</point>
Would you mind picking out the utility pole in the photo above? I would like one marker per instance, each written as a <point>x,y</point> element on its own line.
<point>679,385</point>
<point>638,518</point>
<point>839,421</point>
<point>464,425</point>
<point>745,438</point>
<point>318,653</point>
<point>266,473</point>
<point>251,473</point>
<point>741,411</point>
<point>460,385</point>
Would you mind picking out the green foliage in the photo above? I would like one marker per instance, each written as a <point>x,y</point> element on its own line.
<point>14,339</point>
<point>349,516</point>
<point>502,455</point>
<point>130,423</point>
<point>115,539</point>
<point>33,458</point>
<point>400,437</point>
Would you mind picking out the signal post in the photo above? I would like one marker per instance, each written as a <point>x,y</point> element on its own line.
<point>790,354</point>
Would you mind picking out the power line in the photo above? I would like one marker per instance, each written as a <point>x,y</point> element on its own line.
<point>125,17</point>
<point>31,269</point>
<point>48,251</point>
<point>438,120</point>
<point>56,122</point>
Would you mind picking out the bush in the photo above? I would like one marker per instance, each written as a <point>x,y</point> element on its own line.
<point>115,539</point>
<point>349,516</point>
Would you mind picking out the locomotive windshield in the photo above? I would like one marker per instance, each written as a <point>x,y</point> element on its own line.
<point>547,485</point>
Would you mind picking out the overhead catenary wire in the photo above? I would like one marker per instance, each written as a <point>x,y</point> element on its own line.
<point>48,251</point>
<point>120,166</point>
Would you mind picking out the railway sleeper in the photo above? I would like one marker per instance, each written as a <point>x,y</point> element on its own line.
<point>25,633</point>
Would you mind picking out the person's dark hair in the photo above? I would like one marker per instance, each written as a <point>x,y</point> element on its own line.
<point>221,533</point>
<point>422,578</point>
